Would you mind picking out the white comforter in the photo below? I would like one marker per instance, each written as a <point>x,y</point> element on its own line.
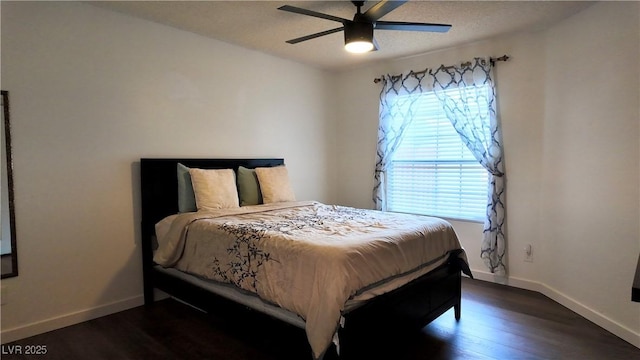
<point>306,257</point>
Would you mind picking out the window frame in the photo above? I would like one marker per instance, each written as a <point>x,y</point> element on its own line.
<point>465,160</point>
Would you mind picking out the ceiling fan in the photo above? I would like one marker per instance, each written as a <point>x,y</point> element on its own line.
<point>358,33</point>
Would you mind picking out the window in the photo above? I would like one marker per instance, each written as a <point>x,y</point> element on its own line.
<point>432,172</point>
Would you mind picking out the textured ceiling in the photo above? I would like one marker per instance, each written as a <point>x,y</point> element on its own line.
<point>260,26</point>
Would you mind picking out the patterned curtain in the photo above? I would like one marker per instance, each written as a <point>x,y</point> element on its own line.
<point>395,116</point>
<point>470,104</point>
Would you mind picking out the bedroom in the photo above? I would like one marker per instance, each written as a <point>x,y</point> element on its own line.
<point>92,91</point>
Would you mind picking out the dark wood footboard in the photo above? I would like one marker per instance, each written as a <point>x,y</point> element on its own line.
<point>403,310</point>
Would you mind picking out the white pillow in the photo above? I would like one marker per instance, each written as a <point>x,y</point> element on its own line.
<point>214,189</point>
<point>274,184</point>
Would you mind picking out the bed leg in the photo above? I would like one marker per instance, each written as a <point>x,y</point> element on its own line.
<point>458,304</point>
<point>148,295</point>
<point>148,299</point>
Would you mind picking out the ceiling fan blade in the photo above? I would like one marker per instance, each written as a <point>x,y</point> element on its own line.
<point>313,36</point>
<point>411,26</point>
<point>381,9</point>
<point>298,10</point>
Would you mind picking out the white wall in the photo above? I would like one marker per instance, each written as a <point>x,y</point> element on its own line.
<point>93,91</point>
<point>569,100</point>
<point>589,222</point>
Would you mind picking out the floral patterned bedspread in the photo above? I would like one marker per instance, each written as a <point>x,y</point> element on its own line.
<point>306,257</point>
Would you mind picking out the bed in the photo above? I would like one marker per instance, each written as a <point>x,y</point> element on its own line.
<point>405,301</point>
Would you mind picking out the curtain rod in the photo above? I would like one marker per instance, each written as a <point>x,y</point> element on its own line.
<point>492,59</point>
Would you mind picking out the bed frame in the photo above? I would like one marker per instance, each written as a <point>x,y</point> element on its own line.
<point>405,309</point>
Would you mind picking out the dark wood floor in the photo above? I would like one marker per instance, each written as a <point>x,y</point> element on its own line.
<point>498,322</point>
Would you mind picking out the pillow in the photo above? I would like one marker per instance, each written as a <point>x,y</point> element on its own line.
<point>186,197</point>
<point>214,189</point>
<point>248,187</point>
<point>274,184</point>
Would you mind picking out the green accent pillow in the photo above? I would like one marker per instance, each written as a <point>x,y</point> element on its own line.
<point>186,196</point>
<point>248,187</point>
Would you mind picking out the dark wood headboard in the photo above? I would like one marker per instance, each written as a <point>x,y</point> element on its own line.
<point>159,181</point>
<point>159,190</point>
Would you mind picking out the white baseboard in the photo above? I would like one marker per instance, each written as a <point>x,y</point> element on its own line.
<point>588,313</point>
<point>59,322</point>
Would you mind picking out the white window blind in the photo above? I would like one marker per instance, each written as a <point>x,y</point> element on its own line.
<point>432,172</point>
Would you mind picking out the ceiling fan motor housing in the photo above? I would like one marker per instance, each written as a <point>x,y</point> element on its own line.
<point>358,31</point>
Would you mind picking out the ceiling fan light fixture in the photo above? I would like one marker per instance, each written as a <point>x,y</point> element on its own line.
<point>359,47</point>
<point>358,37</point>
